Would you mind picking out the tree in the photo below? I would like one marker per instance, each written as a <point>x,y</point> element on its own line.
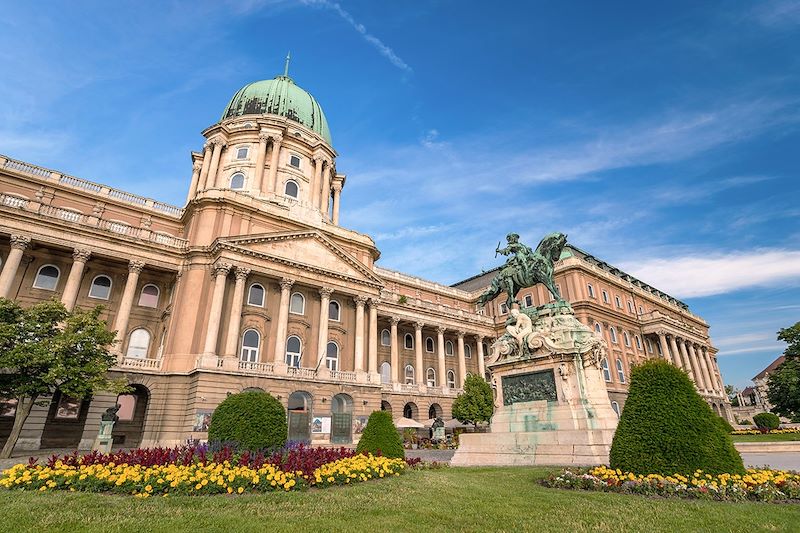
<point>783,384</point>
<point>46,347</point>
<point>381,436</point>
<point>254,420</point>
<point>475,404</point>
<point>733,395</point>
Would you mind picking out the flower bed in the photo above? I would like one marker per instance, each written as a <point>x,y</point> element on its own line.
<point>195,478</point>
<point>783,431</point>
<point>755,485</point>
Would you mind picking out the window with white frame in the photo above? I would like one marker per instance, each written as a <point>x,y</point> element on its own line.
<point>641,310</point>
<point>528,300</point>
<point>294,161</point>
<point>618,302</point>
<point>467,351</point>
<point>451,379</point>
<point>332,356</point>
<point>138,343</point>
<point>615,407</point>
<point>297,305</point>
<point>386,338</point>
<point>613,333</point>
<point>386,372</point>
<point>294,351</point>
<point>251,341</point>
<point>606,371</point>
<point>448,348</point>
<point>638,341</point>
<point>409,375</point>
<point>590,288</point>
<point>148,297</point>
<point>620,371</point>
<point>242,152</point>
<point>334,311</point>
<point>237,181</point>
<point>605,297</point>
<point>598,329</point>
<point>626,338</point>
<point>291,189</point>
<point>47,278</point>
<point>430,377</point>
<point>100,288</point>
<point>408,341</point>
<point>631,308</point>
<point>649,345</point>
<point>430,346</point>
<point>256,294</point>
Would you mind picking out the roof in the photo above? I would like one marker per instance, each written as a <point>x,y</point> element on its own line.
<point>772,366</point>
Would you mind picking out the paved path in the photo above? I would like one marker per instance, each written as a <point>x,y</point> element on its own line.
<point>781,461</point>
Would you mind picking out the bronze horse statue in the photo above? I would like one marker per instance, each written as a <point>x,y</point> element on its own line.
<point>526,268</point>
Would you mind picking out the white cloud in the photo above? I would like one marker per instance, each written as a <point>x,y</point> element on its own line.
<point>777,13</point>
<point>719,273</point>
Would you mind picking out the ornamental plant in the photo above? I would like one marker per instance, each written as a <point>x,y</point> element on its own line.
<point>667,428</point>
<point>475,404</point>
<point>380,436</point>
<point>252,420</point>
<point>766,422</point>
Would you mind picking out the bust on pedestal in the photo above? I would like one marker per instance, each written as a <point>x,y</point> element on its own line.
<point>104,440</point>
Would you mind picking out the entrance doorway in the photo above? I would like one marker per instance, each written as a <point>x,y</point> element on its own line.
<point>300,417</point>
<point>129,428</point>
<point>342,419</point>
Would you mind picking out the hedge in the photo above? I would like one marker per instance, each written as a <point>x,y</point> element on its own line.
<point>380,436</point>
<point>766,421</point>
<point>250,420</point>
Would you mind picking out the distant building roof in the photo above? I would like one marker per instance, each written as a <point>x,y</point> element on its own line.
<point>775,364</point>
<point>748,391</point>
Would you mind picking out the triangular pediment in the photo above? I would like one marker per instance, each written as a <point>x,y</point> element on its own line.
<point>308,250</point>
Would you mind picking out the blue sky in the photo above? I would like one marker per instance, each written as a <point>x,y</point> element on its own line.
<point>663,137</point>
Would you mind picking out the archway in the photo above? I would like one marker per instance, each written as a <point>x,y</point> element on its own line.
<point>133,408</point>
<point>410,410</point>
<point>299,410</point>
<point>341,419</point>
<point>65,420</point>
<point>435,411</point>
<point>386,406</point>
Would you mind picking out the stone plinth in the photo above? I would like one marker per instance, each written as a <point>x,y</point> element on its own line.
<point>551,402</point>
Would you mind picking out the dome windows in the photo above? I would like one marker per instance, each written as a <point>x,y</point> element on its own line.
<point>291,189</point>
<point>242,152</point>
<point>294,161</point>
<point>237,181</point>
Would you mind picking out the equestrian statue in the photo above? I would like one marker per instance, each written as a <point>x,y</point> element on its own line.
<point>525,268</point>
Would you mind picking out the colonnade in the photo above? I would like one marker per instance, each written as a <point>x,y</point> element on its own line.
<point>694,358</point>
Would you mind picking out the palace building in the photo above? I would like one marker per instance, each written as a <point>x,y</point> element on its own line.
<point>253,284</point>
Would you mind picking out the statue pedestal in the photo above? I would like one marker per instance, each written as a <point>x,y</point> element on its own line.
<point>104,440</point>
<point>551,404</point>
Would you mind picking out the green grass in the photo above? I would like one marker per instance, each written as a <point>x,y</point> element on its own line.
<point>474,499</point>
<point>768,437</point>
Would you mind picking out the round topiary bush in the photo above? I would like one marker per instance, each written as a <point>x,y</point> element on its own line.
<point>766,421</point>
<point>667,428</point>
<point>381,436</point>
<point>250,420</point>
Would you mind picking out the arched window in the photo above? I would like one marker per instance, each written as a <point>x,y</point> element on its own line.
<point>148,297</point>
<point>598,329</point>
<point>408,341</point>
<point>255,296</point>
<point>615,407</point>
<point>618,302</point>
<point>605,296</point>
<point>430,377</point>
<point>334,311</point>
<point>237,181</point>
<point>606,371</point>
<point>620,371</point>
<point>626,338</point>
<point>613,333</point>
<point>386,338</point>
<point>100,288</point>
<point>332,356</point>
<point>251,341</point>
<point>467,351</point>
<point>47,278</point>
<point>451,379</point>
<point>630,307</point>
<point>386,372</point>
<point>429,345</point>
<point>409,375</point>
<point>638,342</point>
<point>590,289</point>
<point>448,348</point>
<point>291,189</point>
<point>294,351</point>
<point>298,304</point>
<point>138,343</point>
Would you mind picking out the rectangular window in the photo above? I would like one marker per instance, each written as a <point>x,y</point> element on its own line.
<point>503,309</point>
<point>68,408</point>
<point>241,153</point>
<point>294,161</point>
<point>528,300</point>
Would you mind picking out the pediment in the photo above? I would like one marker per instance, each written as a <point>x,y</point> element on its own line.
<point>308,250</point>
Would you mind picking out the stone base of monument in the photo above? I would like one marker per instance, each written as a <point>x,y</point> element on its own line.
<point>551,403</point>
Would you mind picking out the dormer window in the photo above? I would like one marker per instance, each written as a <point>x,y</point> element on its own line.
<point>294,161</point>
<point>242,153</point>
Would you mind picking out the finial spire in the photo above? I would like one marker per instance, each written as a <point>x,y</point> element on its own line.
<point>286,68</point>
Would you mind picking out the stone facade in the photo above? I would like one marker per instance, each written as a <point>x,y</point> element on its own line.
<point>254,284</point>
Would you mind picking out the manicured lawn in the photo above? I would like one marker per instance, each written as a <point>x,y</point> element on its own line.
<point>474,499</point>
<point>769,437</point>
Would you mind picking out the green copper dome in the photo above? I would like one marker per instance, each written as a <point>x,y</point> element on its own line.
<point>279,96</point>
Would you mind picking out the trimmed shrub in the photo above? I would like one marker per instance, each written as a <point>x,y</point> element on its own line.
<point>381,436</point>
<point>667,428</point>
<point>251,420</point>
<point>766,421</point>
<point>725,424</point>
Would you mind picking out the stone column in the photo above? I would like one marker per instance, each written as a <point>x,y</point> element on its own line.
<point>716,378</point>
<point>216,153</point>
<point>79,259</point>
<point>261,157</point>
<point>462,361</point>
<point>326,189</point>
<point>195,181</point>
<point>202,181</point>
<point>481,362</point>
<point>440,355</point>
<point>316,183</point>
<point>359,337</point>
<point>215,310</point>
<point>18,245</point>
<point>324,316</point>
<point>690,365</point>
<point>419,373</point>
<point>232,342</point>
<point>662,341</point>
<point>337,191</point>
<point>676,354</point>
<point>283,321</point>
<point>273,163</point>
<point>121,323</point>
<point>373,336</point>
<point>395,357</point>
<point>703,367</point>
